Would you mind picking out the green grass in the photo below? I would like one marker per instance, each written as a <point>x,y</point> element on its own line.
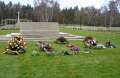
<point>97,64</point>
<point>4,32</point>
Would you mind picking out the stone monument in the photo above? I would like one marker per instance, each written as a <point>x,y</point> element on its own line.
<point>39,31</point>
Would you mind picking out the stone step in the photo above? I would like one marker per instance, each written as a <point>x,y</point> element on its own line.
<point>38,39</point>
<point>50,34</point>
<point>38,36</point>
<point>76,39</point>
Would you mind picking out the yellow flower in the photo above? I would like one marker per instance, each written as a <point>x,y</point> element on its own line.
<point>10,43</point>
<point>16,45</point>
<point>21,46</point>
<point>7,49</point>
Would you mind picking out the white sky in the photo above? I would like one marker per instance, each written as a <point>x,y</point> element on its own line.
<point>67,3</point>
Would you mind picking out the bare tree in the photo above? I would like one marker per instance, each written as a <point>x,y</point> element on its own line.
<point>44,9</point>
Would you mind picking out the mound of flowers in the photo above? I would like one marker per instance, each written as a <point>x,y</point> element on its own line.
<point>46,47</point>
<point>16,45</point>
<point>89,42</point>
<point>61,40</point>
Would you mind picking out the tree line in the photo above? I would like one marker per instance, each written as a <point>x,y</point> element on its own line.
<point>49,11</point>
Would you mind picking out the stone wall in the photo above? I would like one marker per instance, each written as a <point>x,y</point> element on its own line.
<point>39,30</point>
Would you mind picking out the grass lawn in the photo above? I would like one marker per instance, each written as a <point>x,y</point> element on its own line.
<point>97,64</point>
<point>4,32</point>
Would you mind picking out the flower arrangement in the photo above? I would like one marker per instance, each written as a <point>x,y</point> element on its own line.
<point>16,45</point>
<point>90,42</point>
<point>61,40</point>
<point>44,46</point>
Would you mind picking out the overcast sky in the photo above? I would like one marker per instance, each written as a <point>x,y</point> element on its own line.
<point>67,3</point>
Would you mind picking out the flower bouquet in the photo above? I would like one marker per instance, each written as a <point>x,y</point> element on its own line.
<point>16,45</point>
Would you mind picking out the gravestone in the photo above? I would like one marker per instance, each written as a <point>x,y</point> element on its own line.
<point>39,30</point>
